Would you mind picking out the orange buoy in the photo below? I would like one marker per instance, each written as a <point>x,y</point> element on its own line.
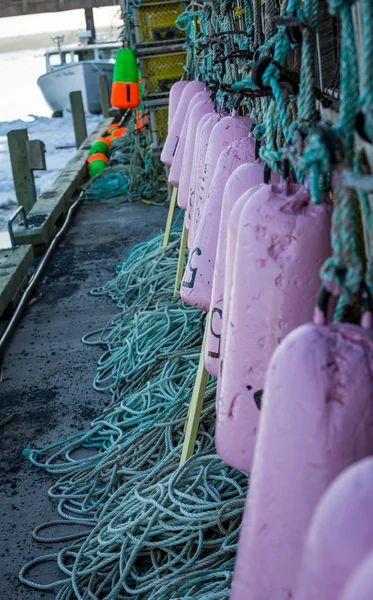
<point>117,133</point>
<point>112,128</point>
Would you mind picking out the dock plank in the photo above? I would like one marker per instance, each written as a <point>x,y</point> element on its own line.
<point>54,202</point>
<point>14,263</point>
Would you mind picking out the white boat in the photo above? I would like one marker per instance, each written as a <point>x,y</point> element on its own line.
<point>77,67</point>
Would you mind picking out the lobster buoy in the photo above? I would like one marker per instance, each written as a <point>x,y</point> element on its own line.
<point>200,146</point>
<point>112,128</point>
<point>233,220</point>
<point>197,281</point>
<point>226,130</point>
<point>197,113</point>
<point>198,185</point>
<point>169,148</point>
<point>141,119</point>
<point>125,91</point>
<point>243,179</point>
<point>275,283</point>
<point>316,418</point>
<point>341,532</point>
<point>102,146</point>
<point>97,163</point>
<point>174,99</point>
<point>360,585</point>
<point>117,133</point>
<point>175,170</point>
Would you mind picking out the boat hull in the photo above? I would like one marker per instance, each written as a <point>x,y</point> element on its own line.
<point>56,85</point>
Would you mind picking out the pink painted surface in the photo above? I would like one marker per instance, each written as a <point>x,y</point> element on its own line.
<point>316,420</point>
<point>233,221</point>
<point>360,584</point>
<point>198,111</point>
<point>243,179</point>
<point>341,531</point>
<point>200,267</point>
<point>275,283</point>
<point>174,98</point>
<point>175,170</point>
<point>199,185</point>
<point>199,144</point>
<point>226,131</point>
<point>174,131</point>
<point>196,285</point>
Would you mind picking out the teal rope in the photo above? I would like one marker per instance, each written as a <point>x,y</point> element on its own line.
<point>151,529</point>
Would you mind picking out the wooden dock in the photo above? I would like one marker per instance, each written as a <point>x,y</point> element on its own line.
<point>52,205</point>
<point>14,263</point>
<point>50,209</point>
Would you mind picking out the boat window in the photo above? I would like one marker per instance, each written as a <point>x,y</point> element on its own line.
<point>54,60</point>
<point>67,58</point>
<point>83,55</point>
<point>104,53</point>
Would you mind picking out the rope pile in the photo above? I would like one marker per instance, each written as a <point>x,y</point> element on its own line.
<point>152,529</point>
<point>134,172</point>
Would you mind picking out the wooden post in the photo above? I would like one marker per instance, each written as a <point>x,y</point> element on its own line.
<point>77,109</point>
<point>23,177</point>
<point>170,216</point>
<point>36,155</point>
<point>90,24</point>
<point>104,96</point>
<point>195,408</point>
<point>180,262</point>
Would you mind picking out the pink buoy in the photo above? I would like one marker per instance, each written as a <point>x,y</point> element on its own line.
<point>173,135</point>
<point>244,178</point>
<point>197,281</point>
<point>174,98</point>
<point>316,420</point>
<point>360,585</point>
<point>199,170</point>
<point>175,169</point>
<point>275,283</point>
<point>341,531</point>
<point>197,150</point>
<point>233,221</point>
<point>198,111</point>
<point>226,131</point>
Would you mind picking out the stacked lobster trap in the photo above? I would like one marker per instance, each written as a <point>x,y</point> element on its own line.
<point>159,45</point>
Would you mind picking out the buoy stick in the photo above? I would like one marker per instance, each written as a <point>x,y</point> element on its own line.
<point>195,408</point>
<point>180,262</point>
<point>170,216</point>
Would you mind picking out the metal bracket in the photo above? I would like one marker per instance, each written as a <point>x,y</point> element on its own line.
<point>20,211</point>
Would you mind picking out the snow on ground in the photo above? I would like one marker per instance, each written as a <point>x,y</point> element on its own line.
<point>58,137</point>
<point>20,99</point>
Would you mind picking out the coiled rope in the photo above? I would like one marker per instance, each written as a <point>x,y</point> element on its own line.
<point>151,529</point>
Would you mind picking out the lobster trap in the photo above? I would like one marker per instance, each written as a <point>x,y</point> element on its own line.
<point>160,72</point>
<point>159,122</point>
<point>155,22</point>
